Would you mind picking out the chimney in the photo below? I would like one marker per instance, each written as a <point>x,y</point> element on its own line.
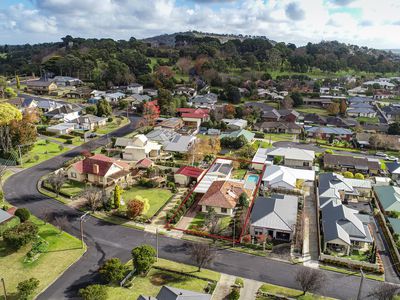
<point>95,168</point>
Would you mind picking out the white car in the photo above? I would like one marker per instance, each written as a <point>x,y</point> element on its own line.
<point>392,158</point>
<point>381,154</point>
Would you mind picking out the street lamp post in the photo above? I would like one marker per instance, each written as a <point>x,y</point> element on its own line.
<point>82,219</point>
<point>361,283</point>
<point>234,234</point>
<point>4,288</point>
<point>157,242</point>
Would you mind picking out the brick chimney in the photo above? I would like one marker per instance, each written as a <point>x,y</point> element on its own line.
<point>96,169</point>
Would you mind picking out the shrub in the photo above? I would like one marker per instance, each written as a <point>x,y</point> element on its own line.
<point>113,271</point>
<point>359,176</point>
<point>134,208</point>
<point>69,142</point>
<point>348,174</point>
<point>94,292</point>
<point>247,238</point>
<point>143,257</point>
<point>20,235</point>
<point>9,224</point>
<point>239,282</point>
<point>329,151</point>
<point>27,287</point>
<point>23,214</point>
<point>234,294</point>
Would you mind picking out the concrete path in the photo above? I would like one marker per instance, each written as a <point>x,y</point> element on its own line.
<point>249,291</point>
<point>223,287</point>
<point>160,219</point>
<point>310,225</point>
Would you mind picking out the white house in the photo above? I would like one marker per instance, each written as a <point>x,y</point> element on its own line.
<point>135,88</point>
<point>63,128</point>
<point>284,178</point>
<point>235,124</point>
<point>292,157</point>
<point>140,147</point>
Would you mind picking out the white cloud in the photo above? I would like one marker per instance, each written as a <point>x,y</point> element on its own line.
<point>296,21</point>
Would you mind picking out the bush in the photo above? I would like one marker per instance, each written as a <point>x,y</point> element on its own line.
<point>148,183</point>
<point>20,235</point>
<point>358,176</point>
<point>239,282</point>
<point>134,208</point>
<point>94,292</point>
<point>27,287</point>
<point>69,142</point>
<point>234,294</point>
<point>348,174</point>
<point>9,224</point>
<point>143,257</point>
<point>329,151</point>
<point>113,271</point>
<point>23,214</point>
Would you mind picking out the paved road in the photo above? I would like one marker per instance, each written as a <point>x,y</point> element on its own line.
<point>106,240</point>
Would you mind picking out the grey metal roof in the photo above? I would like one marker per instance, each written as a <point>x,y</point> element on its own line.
<point>180,143</point>
<point>171,293</point>
<point>277,212</point>
<point>4,216</point>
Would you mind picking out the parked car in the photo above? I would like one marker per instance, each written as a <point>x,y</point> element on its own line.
<point>392,158</point>
<point>92,135</point>
<point>381,154</point>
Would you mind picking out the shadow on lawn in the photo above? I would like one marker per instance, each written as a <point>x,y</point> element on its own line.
<point>161,278</point>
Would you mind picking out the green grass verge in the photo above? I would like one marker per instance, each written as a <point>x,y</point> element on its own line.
<point>63,251</point>
<point>151,284</point>
<point>350,272</point>
<point>157,197</point>
<point>287,292</point>
<point>111,126</point>
<point>305,109</point>
<point>278,137</point>
<point>367,120</point>
<point>40,152</point>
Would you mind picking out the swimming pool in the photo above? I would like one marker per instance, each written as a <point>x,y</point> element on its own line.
<point>252,178</point>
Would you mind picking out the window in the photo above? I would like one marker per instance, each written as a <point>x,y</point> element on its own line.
<point>258,231</point>
<point>73,174</point>
<point>224,210</point>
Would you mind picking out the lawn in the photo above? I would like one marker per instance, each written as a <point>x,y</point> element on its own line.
<point>40,152</point>
<point>239,173</point>
<point>278,137</point>
<point>367,120</point>
<point>287,292</point>
<point>312,110</point>
<point>157,197</point>
<point>63,251</point>
<point>71,188</point>
<point>111,126</point>
<point>77,141</point>
<point>198,221</point>
<point>173,274</point>
<point>260,144</point>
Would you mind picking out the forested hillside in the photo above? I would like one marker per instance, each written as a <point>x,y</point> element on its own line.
<point>106,62</point>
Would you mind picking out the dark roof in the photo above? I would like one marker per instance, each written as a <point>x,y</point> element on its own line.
<point>171,293</point>
<point>41,83</point>
<point>259,105</point>
<point>360,163</point>
<point>315,119</point>
<point>277,125</point>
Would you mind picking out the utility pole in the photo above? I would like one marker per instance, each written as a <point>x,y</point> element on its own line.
<point>234,234</point>
<point>361,283</point>
<point>157,242</point>
<point>4,288</point>
<point>20,155</point>
<point>82,219</point>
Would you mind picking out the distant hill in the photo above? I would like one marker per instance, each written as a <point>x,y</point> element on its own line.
<point>169,39</point>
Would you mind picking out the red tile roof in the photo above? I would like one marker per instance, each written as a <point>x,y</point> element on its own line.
<point>190,171</point>
<point>100,161</point>
<point>223,194</point>
<point>144,163</point>
<point>193,110</point>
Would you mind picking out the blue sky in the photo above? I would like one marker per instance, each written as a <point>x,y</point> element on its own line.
<point>361,22</point>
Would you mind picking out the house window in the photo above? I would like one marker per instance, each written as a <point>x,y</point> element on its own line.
<point>73,175</point>
<point>258,231</point>
<point>208,208</point>
<point>224,210</point>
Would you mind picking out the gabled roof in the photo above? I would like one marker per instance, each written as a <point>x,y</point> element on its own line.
<point>223,194</point>
<point>161,135</point>
<point>144,163</point>
<point>393,167</point>
<point>292,153</point>
<point>104,163</point>
<point>275,175</point>
<point>277,212</point>
<point>180,143</point>
<point>359,163</point>
<point>4,216</point>
<point>170,293</point>
<point>330,130</point>
<point>389,197</point>
<point>189,171</point>
<point>249,136</point>
<point>40,83</point>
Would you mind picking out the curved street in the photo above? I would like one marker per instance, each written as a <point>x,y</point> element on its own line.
<point>105,240</point>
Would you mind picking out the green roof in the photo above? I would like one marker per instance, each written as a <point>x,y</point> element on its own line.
<point>395,224</point>
<point>389,197</point>
<point>235,134</point>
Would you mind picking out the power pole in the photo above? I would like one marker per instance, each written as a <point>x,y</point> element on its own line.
<point>20,155</point>
<point>234,234</point>
<point>157,242</point>
<point>82,219</point>
<point>4,288</point>
<point>361,283</point>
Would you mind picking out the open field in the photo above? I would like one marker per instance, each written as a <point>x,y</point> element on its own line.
<point>40,152</point>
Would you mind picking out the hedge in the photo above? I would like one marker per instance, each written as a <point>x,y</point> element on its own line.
<point>175,214</point>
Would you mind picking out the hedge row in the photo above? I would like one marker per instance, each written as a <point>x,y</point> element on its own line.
<point>175,214</point>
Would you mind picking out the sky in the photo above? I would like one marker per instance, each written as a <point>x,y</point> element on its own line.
<point>369,23</point>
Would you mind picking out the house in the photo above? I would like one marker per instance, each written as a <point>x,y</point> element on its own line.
<point>394,170</point>
<point>114,97</point>
<point>333,185</point>
<point>249,136</point>
<point>180,143</point>
<point>62,128</point>
<point>382,84</point>
<point>335,121</point>
<point>171,293</point>
<point>99,170</point>
<point>187,174</point>
<point>186,91</point>
<point>351,163</point>
<point>314,119</point>
<point>392,112</point>
<point>204,101</point>
<point>357,91</point>
<point>288,115</point>
<point>5,216</point>
<point>134,88</point>
<point>292,157</point>
<point>139,147</point>
<point>388,197</point>
<point>382,181</point>
<point>89,122</point>
<point>47,105</point>
<point>79,93</point>
<point>144,163</point>
<point>271,116</point>
<point>321,102</point>
<point>161,135</point>
<point>361,112</point>
<point>223,196</point>
<point>274,216</point>
<point>343,228</point>
<point>327,132</point>
<point>193,114</point>
<point>67,81</point>
<point>284,178</point>
<point>235,124</point>
<point>278,127</point>
<point>64,113</point>
<point>171,123</point>
<point>41,86</point>
<point>150,92</point>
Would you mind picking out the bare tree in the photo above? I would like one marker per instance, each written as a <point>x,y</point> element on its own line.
<point>62,223</point>
<point>47,216</point>
<point>56,181</point>
<point>309,279</point>
<point>384,291</point>
<point>94,197</point>
<point>202,254</point>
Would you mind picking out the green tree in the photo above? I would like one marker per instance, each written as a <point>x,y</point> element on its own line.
<point>348,174</point>
<point>27,287</point>
<point>23,214</point>
<point>94,292</point>
<point>358,176</point>
<point>232,94</point>
<point>123,104</point>
<point>18,83</point>
<point>143,257</point>
<point>394,128</point>
<point>103,108</point>
<point>117,196</point>
<point>20,235</point>
<point>243,200</point>
<point>9,113</point>
<point>113,271</point>
<point>9,92</point>
<point>297,99</point>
